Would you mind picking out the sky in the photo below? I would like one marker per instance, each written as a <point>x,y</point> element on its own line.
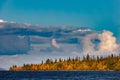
<point>94,14</point>
<point>88,13</point>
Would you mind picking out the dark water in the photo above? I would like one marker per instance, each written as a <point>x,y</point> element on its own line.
<point>60,75</point>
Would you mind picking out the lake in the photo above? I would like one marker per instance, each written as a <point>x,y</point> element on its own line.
<point>59,75</point>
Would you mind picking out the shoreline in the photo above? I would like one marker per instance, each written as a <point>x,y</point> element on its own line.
<point>59,70</point>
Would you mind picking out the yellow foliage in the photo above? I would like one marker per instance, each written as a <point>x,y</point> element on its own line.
<point>106,63</point>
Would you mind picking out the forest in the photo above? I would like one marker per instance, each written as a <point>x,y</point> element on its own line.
<point>101,63</point>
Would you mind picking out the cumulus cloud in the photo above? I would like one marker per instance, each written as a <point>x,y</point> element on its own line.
<point>106,43</point>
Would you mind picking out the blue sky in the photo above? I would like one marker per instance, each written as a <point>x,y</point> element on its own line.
<point>88,13</point>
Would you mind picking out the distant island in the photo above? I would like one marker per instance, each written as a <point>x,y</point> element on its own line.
<point>111,62</point>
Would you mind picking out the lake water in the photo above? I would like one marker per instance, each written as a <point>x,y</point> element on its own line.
<point>59,75</point>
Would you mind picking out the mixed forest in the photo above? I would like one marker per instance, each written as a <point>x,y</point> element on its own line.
<point>111,62</point>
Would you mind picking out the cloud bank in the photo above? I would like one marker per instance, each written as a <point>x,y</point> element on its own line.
<point>12,44</point>
<point>23,43</point>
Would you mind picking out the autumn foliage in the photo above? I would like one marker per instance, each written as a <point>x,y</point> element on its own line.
<point>86,63</point>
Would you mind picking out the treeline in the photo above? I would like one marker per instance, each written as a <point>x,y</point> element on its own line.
<point>111,62</point>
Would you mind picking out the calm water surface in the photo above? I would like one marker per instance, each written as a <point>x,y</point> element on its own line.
<point>59,75</point>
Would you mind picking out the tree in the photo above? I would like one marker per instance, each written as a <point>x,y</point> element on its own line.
<point>104,63</point>
<point>88,57</point>
<point>48,61</point>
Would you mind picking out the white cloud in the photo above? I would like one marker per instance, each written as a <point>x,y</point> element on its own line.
<point>2,20</point>
<point>54,43</point>
<point>88,46</point>
<point>107,44</point>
